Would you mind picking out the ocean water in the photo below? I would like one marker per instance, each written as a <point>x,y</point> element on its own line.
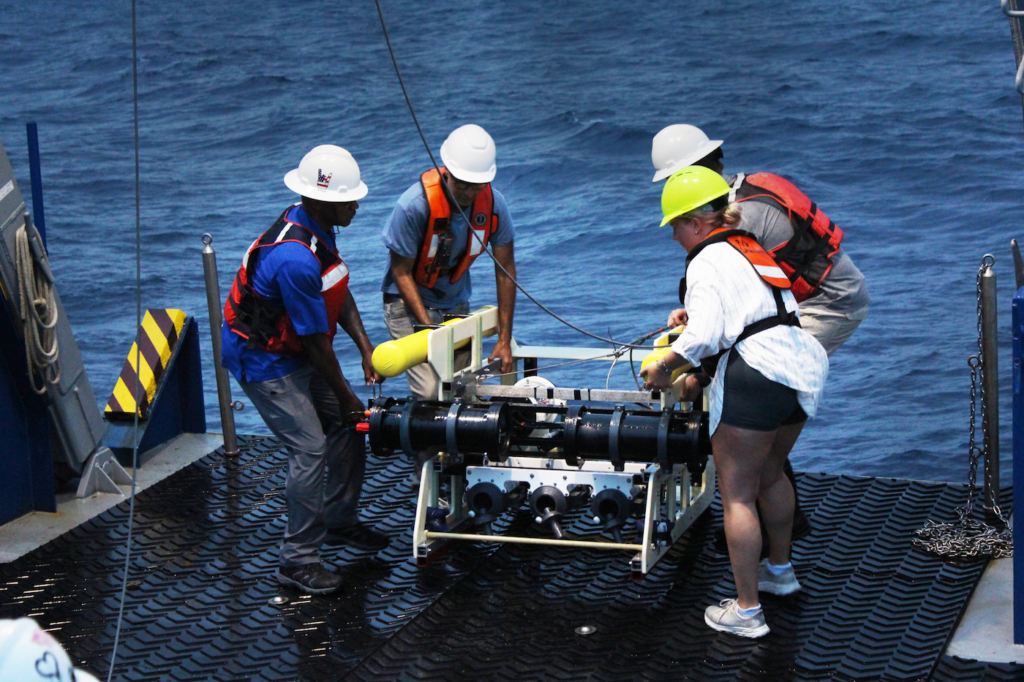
<point>901,122</point>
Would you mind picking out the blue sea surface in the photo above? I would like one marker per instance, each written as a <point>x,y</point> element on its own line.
<point>900,120</point>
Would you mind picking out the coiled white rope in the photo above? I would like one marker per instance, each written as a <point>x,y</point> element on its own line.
<point>38,312</point>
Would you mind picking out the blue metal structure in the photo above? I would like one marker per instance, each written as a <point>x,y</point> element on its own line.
<point>26,445</point>
<point>36,175</point>
<point>26,459</point>
<point>1018,463</point>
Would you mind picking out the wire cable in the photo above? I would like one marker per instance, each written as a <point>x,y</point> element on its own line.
<point>138,344</point>
<point>462,212</point>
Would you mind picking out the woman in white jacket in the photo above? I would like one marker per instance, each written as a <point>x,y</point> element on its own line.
<point>768,374</point>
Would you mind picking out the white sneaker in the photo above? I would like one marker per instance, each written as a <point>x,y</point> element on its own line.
<point>725,618</point>
<point>780,585</point>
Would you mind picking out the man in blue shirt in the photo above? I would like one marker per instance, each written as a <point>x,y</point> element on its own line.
<point>287,301</point>
<point>431,248</point>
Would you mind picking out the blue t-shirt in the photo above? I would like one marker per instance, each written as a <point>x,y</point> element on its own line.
<point>404,232</point>
<point>288,274</point>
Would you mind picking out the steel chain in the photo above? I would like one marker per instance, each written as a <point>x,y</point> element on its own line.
<point>967,538</point>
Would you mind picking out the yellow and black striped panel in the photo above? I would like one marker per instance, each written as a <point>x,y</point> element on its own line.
<point>157,337</point>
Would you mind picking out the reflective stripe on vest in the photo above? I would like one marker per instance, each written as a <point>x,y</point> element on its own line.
<point>435,251</point>
<point>745,243</point>
<point>266,325</point>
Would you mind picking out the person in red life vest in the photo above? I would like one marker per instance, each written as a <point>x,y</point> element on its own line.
<point>832,292</point>
<point>431,248</point>
<point>288,299</point>
<point>768,375</point>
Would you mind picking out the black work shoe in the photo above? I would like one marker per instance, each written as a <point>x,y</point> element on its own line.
<point>310,578</point>
<point>358,535</point>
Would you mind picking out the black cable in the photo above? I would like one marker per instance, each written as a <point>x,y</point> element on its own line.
<point>138,345</point>
<point>465,217</point>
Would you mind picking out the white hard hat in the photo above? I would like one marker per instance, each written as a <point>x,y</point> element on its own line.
<point>469,153</point>
<point>27,653</point>
<point>327,173</point>
<point>679,146</point>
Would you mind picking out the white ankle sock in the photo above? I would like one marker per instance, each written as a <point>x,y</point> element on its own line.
<point>778,570</point>
<point>747,613</point>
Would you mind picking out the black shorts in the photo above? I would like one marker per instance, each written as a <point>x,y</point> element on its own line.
<point>752,401</point>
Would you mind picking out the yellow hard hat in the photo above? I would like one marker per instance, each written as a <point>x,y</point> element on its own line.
<point>691,188</point>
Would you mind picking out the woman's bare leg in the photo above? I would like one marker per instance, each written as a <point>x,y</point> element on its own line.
<point>777,497</point>
<point>740,456</point>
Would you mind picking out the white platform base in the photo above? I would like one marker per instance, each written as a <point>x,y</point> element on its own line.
<point>985,632</point>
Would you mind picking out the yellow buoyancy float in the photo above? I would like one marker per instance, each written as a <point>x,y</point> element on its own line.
<point>392,358</point>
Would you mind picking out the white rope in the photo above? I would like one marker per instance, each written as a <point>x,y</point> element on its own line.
<point>38,312</point>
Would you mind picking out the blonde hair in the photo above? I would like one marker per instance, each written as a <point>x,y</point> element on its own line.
<point>729,216</point>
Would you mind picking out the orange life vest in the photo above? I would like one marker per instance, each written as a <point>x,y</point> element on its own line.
<point>266,324</point>
<point>766,268</point>
<point>807,257</point>
<point>436,250</point>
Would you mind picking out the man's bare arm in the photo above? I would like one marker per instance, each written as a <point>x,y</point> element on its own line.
<point>506,257</point>
<point>352,323</point>
<point>321,354</point>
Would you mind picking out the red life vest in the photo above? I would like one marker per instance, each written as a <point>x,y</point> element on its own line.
<point>765,267</point>
<point>436,250</point>
<point>266,324</point>
<point>807,257</point>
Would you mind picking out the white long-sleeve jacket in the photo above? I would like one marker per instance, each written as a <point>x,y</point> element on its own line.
<point>724,294</point>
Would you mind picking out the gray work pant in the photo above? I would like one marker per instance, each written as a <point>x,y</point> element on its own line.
<point>303,412</point>
<point>423,382</point>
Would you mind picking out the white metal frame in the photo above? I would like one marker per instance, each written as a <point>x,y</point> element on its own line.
<point>671,495</point>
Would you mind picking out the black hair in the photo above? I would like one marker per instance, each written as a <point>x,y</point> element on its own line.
<point>711,160</point>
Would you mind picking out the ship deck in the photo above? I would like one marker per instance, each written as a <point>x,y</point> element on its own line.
<point>201,580</point>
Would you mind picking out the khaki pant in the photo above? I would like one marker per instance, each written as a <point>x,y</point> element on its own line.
<point>831,331</point>
<point>423,382</point>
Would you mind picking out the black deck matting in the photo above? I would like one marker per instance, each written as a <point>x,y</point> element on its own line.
<point>205,552</point>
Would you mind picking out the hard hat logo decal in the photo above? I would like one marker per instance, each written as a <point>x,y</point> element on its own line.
<point>327,173</point>
<point>480,219</point>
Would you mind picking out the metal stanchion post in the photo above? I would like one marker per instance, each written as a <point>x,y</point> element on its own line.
<point>990,384</point>
<point>1018,461</point>
<point>227,415</point>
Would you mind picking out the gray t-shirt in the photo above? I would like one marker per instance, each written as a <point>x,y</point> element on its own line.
<point>844,291</point>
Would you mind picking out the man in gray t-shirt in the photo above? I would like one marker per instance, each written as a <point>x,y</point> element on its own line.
<point>831,315</point>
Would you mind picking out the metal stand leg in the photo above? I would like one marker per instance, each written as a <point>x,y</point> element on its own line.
<point>102,474</point>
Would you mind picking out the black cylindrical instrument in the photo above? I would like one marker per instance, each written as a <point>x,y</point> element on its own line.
<point>619,434</point>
